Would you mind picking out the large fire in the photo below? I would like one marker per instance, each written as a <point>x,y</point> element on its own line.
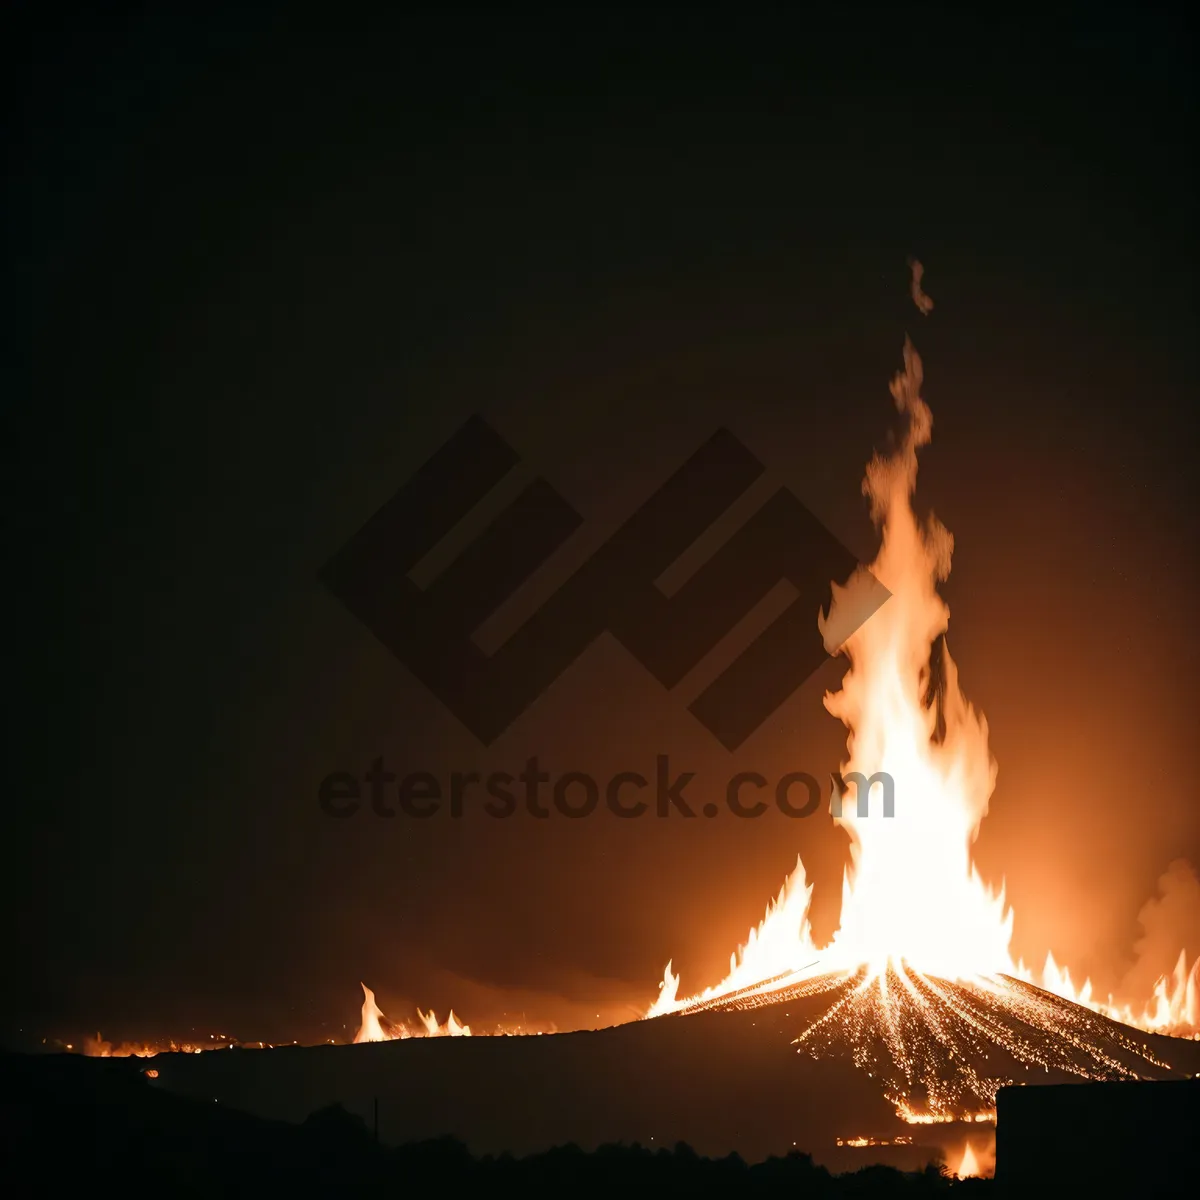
<point>923,941</point>
<point>922,938</point>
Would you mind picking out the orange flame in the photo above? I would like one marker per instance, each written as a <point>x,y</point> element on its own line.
<point>1174,1007</point>
<point>912,894</point>
<point>375,1027</point>
<point>97,1047</point>
<point>913,902</point>
<point>452,1028</point>
<point>968,1168</point>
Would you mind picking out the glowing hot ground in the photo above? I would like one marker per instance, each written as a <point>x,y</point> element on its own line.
<point>940,1050</point>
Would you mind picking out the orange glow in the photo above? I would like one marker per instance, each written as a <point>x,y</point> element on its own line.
<point>925,1118</point>
<point>1174,1007</point>
<point>97,1047</point>
<point>922,937</point>
<point>375,1026</point>
<point>968,1168</point>
<point>452,1028</point>
<point>911,893</point>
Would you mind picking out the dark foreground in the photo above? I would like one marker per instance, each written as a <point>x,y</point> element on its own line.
<point>1099,1139</point>
<point>70,1124</point>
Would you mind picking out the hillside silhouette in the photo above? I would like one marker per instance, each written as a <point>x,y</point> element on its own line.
<point>720,1081</point>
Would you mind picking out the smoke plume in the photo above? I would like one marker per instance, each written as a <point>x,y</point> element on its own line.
<point>1170,920</point>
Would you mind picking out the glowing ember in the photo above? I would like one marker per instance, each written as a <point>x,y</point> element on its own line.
<point>919,973</point>
<point>97,1047</point>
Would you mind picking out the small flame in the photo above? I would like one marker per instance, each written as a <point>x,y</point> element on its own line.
<point>968,1168</point>
<point>452,1028</point>
<point>1174,1007</point>
<point>98,1047</point>
<point>375,1027</point>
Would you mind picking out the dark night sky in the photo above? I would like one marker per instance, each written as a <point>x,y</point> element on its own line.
<point>261,270</point>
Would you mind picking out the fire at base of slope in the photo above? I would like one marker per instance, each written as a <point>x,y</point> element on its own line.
<point>770,957</point>
<point>1174,1010</point>
<point>374,1026</point>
